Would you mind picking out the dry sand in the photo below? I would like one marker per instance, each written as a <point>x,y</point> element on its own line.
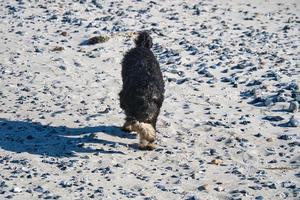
<point>225,131</point>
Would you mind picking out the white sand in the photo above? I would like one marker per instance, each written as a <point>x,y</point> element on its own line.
<point>60,115</point>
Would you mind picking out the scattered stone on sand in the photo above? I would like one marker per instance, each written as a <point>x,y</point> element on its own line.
<point>293,122</point>
<point>97,39</point>
<point>217,161</point>
<point>203,187</point>
<point>229,125</point>
<point>57,48</point>
<point>293,107</point>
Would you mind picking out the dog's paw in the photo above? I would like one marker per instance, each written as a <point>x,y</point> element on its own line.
<point>128,126</point>
<point>147,147</point>
<point>146,131</point>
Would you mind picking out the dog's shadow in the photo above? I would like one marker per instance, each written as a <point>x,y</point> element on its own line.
<point>57,141</point>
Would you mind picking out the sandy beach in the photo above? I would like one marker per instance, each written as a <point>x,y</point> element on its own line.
<point>229,127</point>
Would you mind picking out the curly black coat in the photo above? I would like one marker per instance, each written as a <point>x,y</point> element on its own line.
<point>143,90</point>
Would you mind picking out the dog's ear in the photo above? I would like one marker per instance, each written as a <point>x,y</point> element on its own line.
<point>143,40</point>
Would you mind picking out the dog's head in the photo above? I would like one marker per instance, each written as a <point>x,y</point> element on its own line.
<point>143,40</point>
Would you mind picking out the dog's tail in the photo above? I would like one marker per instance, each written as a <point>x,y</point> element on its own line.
<point>143,40</point>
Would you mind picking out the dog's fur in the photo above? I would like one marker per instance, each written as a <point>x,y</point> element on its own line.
<point>143,90</point>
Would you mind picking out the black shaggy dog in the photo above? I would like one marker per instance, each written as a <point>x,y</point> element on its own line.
<point>143,90</point>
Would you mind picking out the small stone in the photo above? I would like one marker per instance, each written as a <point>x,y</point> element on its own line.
<point>39,189</point>
<point>284,137</point>
<point>288,184</point>
<point>62,67</point>
<point>57,48</point>
<point>2,184</point>
<point>180,81</point>
<point>51,196</point>
<point>258,135</point>
<point>294,106</point>
<point>204,71</point>
<point>99,190</point>
<point>219,189</point>
<point>293,86</point>
<point>293,122</point>
<point>85,157</point>
<point>97,3</point>
<point>257,100</point>
<point>203,187</point>
<point>256,187</point>
<point>259,198</point>
<point>64,33</point>
<point>38,50</point>
<point>65,184</point>
<point>273,118</point>
<point>97,39</point>
<point>268,102</point>
<point>16,190</point>
<point>270,140</point>
<point>20,33</point>
<point>116,145</point>
<point>209,75</point>
<point>192,197</point>
<point>269,184</point>
<point>296,95</point>
<point>29,191</point>
<point>281,97</point>
<point>91,136</point>
<point>217,161</point>
<point>254,82</point>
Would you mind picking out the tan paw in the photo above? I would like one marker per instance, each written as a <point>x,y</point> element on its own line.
<point>128,126</point>
<point>147,147</point>
<point>146,132</point>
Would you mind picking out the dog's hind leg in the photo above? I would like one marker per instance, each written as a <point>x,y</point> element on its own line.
<point>147,135</point>
<point>128,126</point>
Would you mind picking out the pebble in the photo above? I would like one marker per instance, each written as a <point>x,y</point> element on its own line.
<point>57,48</point>
<point>203,187</point>
<point>268,102</point>
<point>97,39</point>
<point>293,86</point>
<point>258,135</point>
<point>50,84</point>
<point>64,33</point>
<point>62,67</point>
<point>66,184</point>
<point>296,96</point>
<point>256,187</point>
<point>181,81</point>
<point>39,189</point>
<point>217,161</point>
<point>293,122</point>
<point>193,197</point>
<point>273,118</point>
<point>288,184</point>
<point>270,185</point>
<point>97,3</point>
<point>284,137</point>
<point>219,189</point>
<point>259,198</point>
<point>17,190</point>
<point>210,152</point>
<point>281,97</point>
<point>294,106</point>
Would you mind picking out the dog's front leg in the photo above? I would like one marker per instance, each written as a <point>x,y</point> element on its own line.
<point>147,136</point>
